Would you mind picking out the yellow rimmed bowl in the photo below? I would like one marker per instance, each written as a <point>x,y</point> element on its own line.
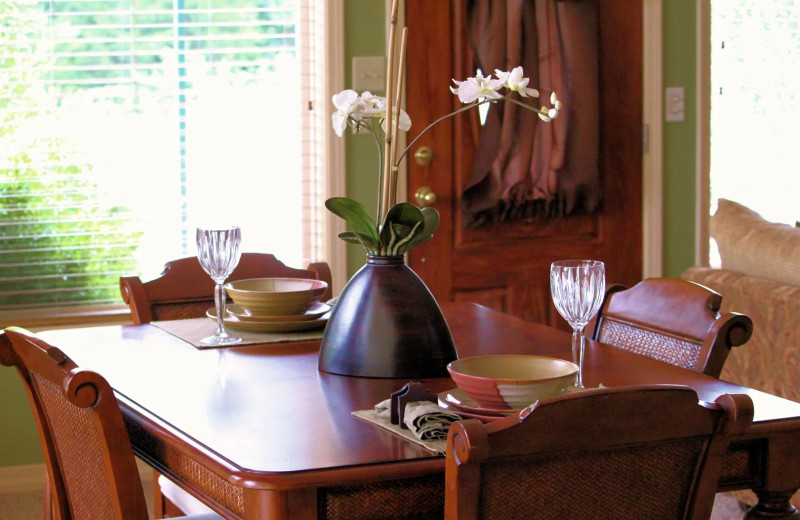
<point>275,296</point>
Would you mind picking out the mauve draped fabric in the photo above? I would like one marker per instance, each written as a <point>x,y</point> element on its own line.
<point>526,168</point>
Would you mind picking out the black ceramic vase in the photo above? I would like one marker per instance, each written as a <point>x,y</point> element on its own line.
<point>386,323</point>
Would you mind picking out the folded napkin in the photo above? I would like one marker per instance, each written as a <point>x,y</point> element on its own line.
<point>426,420</point>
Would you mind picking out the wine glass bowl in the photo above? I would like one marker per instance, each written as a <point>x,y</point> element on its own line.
<point>578,287</point>
<point>219,251</point>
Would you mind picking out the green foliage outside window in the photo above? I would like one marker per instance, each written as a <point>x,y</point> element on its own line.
<point>63,238</point>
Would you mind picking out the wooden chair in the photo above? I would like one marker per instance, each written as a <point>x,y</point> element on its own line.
<point>649,452</point>
<point>92,472</point>
<point>184,290</point>
<point>671,320</point>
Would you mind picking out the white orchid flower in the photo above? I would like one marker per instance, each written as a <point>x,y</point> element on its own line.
<point>346,103</point>
<point>548,114</point>
<point>403,124</point>
<point>370,105</point>
<point>478,87</point>
<point>516,82</point>
<point>555,101</point>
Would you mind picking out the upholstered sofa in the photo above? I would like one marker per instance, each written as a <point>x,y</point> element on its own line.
<point>759,276</point>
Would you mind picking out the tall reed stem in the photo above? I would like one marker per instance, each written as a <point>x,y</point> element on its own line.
<point>387,149</point>
<point>401,69</point>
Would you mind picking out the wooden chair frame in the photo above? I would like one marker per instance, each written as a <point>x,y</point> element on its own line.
<point>83,389</point>
<point>85,394</point>
<point>683,313</point>
<point>183,282</point>
<point>593,424</point>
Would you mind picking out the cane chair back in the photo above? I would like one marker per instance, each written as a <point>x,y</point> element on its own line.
<point>650,452</point>
<point>184,290</point>
<point>672,320</point>
<point>92,472</point>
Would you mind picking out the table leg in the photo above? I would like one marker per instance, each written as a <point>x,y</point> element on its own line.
<point>773,506</point>
<point>779,481</point>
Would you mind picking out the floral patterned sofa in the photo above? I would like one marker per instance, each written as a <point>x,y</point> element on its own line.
<point>760,277</point>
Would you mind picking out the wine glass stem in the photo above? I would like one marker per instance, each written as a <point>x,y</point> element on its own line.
<point>578,347</point>
<point>219,299</point>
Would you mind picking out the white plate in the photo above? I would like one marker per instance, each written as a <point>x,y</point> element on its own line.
<point>269,326</point>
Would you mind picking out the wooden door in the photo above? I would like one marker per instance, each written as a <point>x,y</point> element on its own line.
<point>506,266</point>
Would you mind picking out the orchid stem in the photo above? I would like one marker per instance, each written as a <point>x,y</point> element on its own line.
<point>520,103</point>
<point>507,97</point>
<point>448,116</point>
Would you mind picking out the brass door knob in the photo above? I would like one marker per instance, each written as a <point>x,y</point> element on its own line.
<point>424,156</point>
<point>425,196</point>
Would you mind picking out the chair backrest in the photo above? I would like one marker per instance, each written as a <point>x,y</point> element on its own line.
<point>90,461</point>
<point>671,320</point>
<point>184,290</point>
<point>650,452</point>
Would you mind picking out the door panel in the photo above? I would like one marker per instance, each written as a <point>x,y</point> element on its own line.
<point>506,265</point>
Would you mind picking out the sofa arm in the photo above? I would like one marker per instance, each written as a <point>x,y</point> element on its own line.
<point>770,361</point>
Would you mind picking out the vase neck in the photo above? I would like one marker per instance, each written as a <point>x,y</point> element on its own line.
<point>385,260</point>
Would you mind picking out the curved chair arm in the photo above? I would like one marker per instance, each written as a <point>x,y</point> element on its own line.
<point>731,329</point>
<point>134,294</point>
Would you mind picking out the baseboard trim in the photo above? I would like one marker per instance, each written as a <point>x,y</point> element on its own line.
<point>16,479</point>
<point>30,477</point>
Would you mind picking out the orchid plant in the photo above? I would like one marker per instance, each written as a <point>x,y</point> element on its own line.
<point>404,225</point>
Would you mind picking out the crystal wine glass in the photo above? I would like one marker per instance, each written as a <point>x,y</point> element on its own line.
<point>218,251</point>
<point>578,287</point>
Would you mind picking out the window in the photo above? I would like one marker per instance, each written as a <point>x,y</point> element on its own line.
<point>127,122</point>
<point>754,157</point>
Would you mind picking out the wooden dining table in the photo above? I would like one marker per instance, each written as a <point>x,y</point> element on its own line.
<point>258,432</point>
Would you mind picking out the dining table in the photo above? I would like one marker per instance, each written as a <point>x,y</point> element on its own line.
<point>259,432</point>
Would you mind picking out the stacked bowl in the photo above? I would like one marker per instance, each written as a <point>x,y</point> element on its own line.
<point>276,304</point>
<point>507,383</point>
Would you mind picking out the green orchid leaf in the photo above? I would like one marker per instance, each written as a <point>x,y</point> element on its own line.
<point>422,239</point>
<point>430,226</point>
<point>405,243</point>
<point>400,230</point>
<point>431,221</point>
<point>404,213</point>
<point>349,236</point>
<point>356,216</point>
<point>401,218</point>
<point>355,238</point>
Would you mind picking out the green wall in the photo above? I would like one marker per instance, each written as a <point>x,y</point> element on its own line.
<point>365,37</point>
<point>680,192</point>
<point>19,440</point>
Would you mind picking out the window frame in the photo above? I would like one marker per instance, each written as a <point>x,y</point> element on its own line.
<point>330,53</point>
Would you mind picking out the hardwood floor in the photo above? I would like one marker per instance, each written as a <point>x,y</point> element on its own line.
<point>29,505</point>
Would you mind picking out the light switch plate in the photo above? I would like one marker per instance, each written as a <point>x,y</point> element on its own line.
<point>369,73</point>
<point>674,104</point>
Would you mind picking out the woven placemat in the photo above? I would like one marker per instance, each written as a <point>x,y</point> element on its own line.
<point>195,329</point>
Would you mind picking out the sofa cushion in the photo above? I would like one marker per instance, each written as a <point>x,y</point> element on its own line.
<point>752,245</point>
